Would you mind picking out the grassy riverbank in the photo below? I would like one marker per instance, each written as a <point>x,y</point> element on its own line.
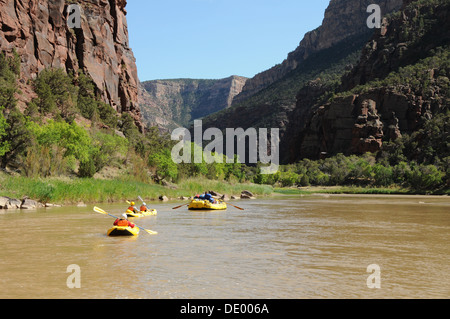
<point>395,190</point>
<point>68,191</point>
<point>89,190</point>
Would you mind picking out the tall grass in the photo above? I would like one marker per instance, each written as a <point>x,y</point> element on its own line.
<point>90,190</point>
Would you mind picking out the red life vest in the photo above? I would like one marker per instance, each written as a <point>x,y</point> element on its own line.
<point>123,223</point>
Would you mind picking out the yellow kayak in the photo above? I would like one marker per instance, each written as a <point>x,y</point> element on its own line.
<point>123,231</point>
<point>151,212</point>
<point>206,205</point>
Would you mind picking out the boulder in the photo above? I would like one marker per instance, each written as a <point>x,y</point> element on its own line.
<point>163,198</point>
<point>13,204</point>
<point>215,194</point>
<point>4,201</point>
<point>29,204</point>
<point>247,195</point>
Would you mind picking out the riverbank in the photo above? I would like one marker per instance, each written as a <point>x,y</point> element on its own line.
<point>75,191</point>
<point>72,191</point>
<point>356,190</point>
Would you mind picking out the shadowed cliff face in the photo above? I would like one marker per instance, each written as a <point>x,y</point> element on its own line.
<point>398,83</point>
<point>38,31</point>
<point>343,19</point>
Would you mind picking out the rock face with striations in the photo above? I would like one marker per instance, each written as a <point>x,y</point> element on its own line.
<point>38,31</point>
<point>361,120</point>
<point>343,19</point>
<point>183,100</point>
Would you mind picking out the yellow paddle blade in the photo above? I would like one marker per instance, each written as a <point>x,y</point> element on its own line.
<point>151,232</point>
<point>99,210</point>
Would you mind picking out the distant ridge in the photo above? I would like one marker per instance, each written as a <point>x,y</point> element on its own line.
<point>175,102</point>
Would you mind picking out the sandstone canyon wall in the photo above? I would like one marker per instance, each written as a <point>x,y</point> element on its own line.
<point>38,31</point>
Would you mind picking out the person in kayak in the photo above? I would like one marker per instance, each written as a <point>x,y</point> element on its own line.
<point>143,208</point>
<point>123,221</point>
<point>133,208</point>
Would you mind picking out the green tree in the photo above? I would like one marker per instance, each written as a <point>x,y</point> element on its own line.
<point>382,174</point>
<point>73,138</point>
<point>4,144</point>
<point>17,138</point>
<point>9,70</point>
<point>425,177</point>
<point>163,164</point>
<point>56,93</point>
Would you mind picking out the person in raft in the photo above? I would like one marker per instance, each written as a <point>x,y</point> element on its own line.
<point>207,196</point>
<point>133,208</point>
<point>143,208</point>
<point>123,221</point>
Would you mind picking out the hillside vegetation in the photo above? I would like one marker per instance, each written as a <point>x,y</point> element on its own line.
<point>69,146</point>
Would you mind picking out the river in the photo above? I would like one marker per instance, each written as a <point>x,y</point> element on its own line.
<point>290,247</point>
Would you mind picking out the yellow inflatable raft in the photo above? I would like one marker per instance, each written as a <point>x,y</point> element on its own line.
<point>151,212</point>
<point>123,231</point>
<point>198,204</point>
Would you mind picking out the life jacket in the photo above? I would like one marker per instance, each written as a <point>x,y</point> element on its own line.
<point>143,208</point>
<point>121,222</point>
<point>132,210</point>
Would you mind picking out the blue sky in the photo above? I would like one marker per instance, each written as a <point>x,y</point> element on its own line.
<point>212,39</point>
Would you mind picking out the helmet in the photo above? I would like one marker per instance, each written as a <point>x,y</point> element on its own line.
<point>132,203</point>
<point>124,216</point>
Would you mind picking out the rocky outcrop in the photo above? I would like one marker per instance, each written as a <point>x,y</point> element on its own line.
<point>362,119</point>
<point>12,203</point>
<point>358,123</point>
<point>401,41</point>
<point>343,19</point>
<point>164,102</point>
<point>38,31</point>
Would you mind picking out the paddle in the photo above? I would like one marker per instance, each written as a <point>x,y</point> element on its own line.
<point>101,211</point>
<point>140,198</point>
<point>234,206</point>
<point>180,206</point>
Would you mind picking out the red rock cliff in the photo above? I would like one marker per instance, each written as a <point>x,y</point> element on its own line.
<point>39,32</point>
